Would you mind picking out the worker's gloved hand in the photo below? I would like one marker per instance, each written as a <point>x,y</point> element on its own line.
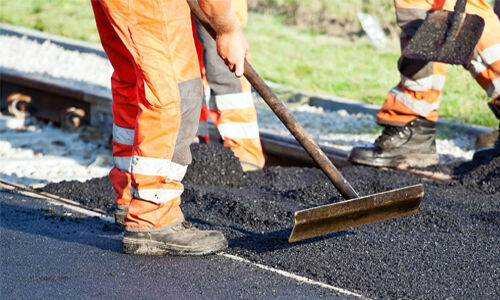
<point>233,49</point>
<point>232,45</point>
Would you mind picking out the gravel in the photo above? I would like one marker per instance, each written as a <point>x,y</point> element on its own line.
<point>35,153</point>
<point>49,59</point>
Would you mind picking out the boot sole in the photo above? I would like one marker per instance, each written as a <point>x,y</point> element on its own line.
<point>149,247</point>
<point>401,161</point>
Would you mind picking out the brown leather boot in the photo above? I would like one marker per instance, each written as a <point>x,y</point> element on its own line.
<point>178,238</point>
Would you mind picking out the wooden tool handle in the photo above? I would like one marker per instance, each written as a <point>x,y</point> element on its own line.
<point>460,6</point>
<point>457,20</point>
<point>287,118</point>
<point>299,133</point>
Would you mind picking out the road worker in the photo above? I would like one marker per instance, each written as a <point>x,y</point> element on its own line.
<point>230,104</point>
<point>410,111</point>
<point>157,94</point>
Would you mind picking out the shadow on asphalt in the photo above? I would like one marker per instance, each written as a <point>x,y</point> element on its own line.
<point>53,223</point>
<point>268,241</point>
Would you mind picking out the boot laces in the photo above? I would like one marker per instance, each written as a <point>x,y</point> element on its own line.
<point>187,224</point>
<point>184,225</point>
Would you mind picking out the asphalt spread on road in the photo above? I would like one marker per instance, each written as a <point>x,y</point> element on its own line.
<point>448,249</point>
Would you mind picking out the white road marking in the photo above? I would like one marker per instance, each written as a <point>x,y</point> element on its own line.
<point>293,276</point>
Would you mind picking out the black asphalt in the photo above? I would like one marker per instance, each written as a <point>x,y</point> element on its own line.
<point>47,254</point>
<point>448,249</point>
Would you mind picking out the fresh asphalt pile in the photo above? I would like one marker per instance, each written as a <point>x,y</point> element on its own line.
<point>449,249</point>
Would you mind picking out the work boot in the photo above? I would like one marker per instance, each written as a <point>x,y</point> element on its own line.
<point>178,238</point>
<point>491,152</point>
<point>120,213</point>
<point>411,145</point>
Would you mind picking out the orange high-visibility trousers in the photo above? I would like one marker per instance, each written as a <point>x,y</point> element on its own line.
<point>230,104</point>
<point>157,97</point>
<point>418,93</point>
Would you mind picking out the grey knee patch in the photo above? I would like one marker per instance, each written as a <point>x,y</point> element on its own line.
<point>191,92</point>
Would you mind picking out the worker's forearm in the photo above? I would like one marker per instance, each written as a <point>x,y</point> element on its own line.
<point>220,15</point>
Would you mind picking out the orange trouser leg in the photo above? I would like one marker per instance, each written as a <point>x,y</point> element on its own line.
<point>485,63</point>
<point>417,94</point>
<point>231,106</point>
<point>167,107</point>
<point>124,90</point>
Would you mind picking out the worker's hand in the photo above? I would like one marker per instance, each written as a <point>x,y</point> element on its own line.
<point>233,49</point>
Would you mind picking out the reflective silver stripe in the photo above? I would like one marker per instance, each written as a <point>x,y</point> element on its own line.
<point>157,167</point>
<point>123,135</point>
<point>234,101</point>
<point>434,82</point>
<point>493,89</point>
<point>477,66</point>
<point>421,107</point>
<point>177,171</point>
<point>491,54</point>
<point>206,95</point>
<point>150,166</point>
<point>156,195</point>
<point>239,130</point>
<point>122,163</point>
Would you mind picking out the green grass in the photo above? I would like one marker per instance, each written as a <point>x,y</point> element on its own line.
<point>349,68</point>
<point>71,18</point>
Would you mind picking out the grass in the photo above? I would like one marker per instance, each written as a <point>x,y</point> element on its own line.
<point>71,18</point>
<point>304,59</point>
<point>351,69</point>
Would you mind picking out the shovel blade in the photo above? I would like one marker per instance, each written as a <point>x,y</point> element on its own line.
<point>430,42</point>
<point>359,211</point>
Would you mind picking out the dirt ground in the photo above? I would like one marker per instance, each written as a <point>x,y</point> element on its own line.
<point>448,249</point>
<point>331,17</point>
